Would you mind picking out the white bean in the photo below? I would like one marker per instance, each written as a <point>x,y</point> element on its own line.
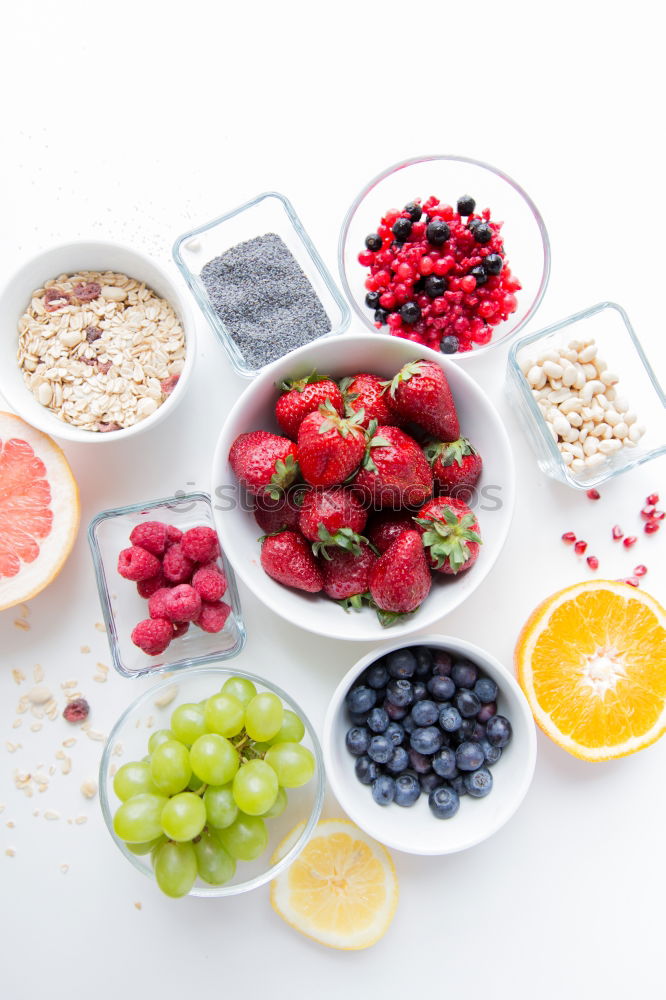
<point>569,375</point>
<point>571,404</point>
<point>567,457</point>
<point>590,371</point>
<point>600,429</point>
<point>608,433</point>
<point>606,447</point>
<point>612,417</point>
<point>551,355</point>
<point>574,448</point>
<point>610,393</point>
<point>591,446</point>
<point>553,369</point>
<point>592,460</point>
<point>580,379</point>
<point>577,465</point>
<point>636,432</point>
<point>526,364</point>
<point>571,436</point>
<point>561,425</point>
<point>536,377</point>
<point>621,404</point>
<point>590,389</point>
<point>559,395</point>
<point>575,419</point>
<point>597,414</point>
<point>609,378</point>
<point>588,353</point>
<point>583,434</point>
<point>629,417</point>
<point>620,430</point>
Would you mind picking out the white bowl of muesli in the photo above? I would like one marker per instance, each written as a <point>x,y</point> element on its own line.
<point>98,342</point>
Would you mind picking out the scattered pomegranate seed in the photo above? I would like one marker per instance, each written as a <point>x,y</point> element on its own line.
<point>651,527</point>
<point>569,537</point>
<point>653,498</point>
<point>76,711</point>
<point>633,581</point>
<point>593,562</point>
<point>658,515</point>
<point>617,532</point>
<point>629,541</point>
<point>640,570</point>
<point>580,547</point>
<point>647,513</point>
<point>593,495</point>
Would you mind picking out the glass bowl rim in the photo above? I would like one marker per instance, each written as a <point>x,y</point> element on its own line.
<point>516,372</point>
<point>428,158</point>
<point>319,777</point>
<point>186,663</point>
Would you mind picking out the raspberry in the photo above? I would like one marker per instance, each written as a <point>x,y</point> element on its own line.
<point>152,635</point>
<point>182,604</point>
<point>200,544</point>
<point>147,588</point>
<point>156,604</point>
<point>150,535</point>
<point>76,710</point>
<point>209,582</point>
<point>174,534</point>
<point>180,628</point>
<point>212,616</point>
<point>137,564</point>
<point>176,566</point>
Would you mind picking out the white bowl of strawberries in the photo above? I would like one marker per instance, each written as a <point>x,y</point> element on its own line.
<point>380,477</point>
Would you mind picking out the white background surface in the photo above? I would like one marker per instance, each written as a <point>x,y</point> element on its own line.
<point>134,120</point>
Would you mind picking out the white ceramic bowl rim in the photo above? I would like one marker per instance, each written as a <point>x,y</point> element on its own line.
<point>16,395</point>
<point>487,662</point>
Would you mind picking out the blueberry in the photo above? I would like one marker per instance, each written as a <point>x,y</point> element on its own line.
<point>437,232</point>
<point>420,763</point>
<point>414,209</point>
<point>420,690</point>
<point>357,741</point>
<point>361,699</point>
<point>442,663</point>
<point>466,204</point>
<point>458,785</point>
<point>464,674</point>
<point>373,242</point>
<point>366,770</point>
<point>450,719</point>
<point>394,712</point>
<point>408,724</point>
<point>444,802</point>
<point>401,664</point>
<point>395,733</point>
<point>486,712</point>
<point>444,763</point>
<point>407,790</point>
<point>429,782</point>
<point>479,275</point>
<point>466,731</point>
<point>480,783</point>
<point>441,688</point>
<point>482,233</point>
<point>399,692</point>
<point>377,675</point>
<point>402,229</point>
<point>357,718</point>
<point>399,761</point>
<point>467,703</point>
<point>491,753</point>
<point>426,740</point>
<point>424,662</point>
<point>449,344</point>
<point>485,690</point>
<point>425,713</point>
<point>410,312</point>
<point>469,756</point>
<point>372,300</point>
<point>383,790</point>
<point>492,264</point>
<point>498,731</point>
<point>378,720</point>
<point>380,749</point>
<point>434,286</point>
<point>381,316</point>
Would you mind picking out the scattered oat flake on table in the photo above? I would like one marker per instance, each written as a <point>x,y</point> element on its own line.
<point>51,814</point>
<point>64,868</point>
<point>69,742</point>
<point>112,770</point>
<point>38,673</point>
<point>100,626</point>
<point>94,734</point>
<point>22,706</point>
<point>138,906</point>
<point>89,789</point>
<point>100,678</point>
<point>22,624</point>
<point>11,824</point>
<point>35,727</point>
<point>17,723</point>
<point>10,852</point>
<point>118,750</point>
<point>80,820</point>
<point>18,676</point>
<point>85,649</point>
<point>66,765</point>
<point>36,812</point>
<point>13,747</point>
<point>166,697</point>
<point>68,685</point>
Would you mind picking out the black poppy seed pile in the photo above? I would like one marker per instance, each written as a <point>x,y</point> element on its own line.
<point>267,303</point>
<point>425,721</point>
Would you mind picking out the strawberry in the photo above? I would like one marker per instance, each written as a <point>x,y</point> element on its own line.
<point>287,558</point>
<point>330,447</point>
<point>400,579</point>
<point>456,467</point>
<point>303,396</point>
<point>420,393</point>
<point>366,392</point>
<point>395,472</point>
<point>273,515</point>
<point>387,525</point>
<point>450,534</point>
<point>347,575</point>
<point>264,463</point>
<point>332,517</point>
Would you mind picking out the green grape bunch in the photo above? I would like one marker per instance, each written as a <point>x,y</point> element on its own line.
<point>199,802</point>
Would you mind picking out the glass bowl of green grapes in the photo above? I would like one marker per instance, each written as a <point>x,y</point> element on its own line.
<point>219,786</point>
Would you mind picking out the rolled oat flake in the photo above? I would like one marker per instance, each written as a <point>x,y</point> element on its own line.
<point>267,303</point>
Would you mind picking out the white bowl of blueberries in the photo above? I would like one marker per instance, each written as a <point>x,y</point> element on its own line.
<point>429,747</point>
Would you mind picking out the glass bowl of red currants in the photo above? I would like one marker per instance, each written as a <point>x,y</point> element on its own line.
<point>445,251</point>
<point>212,783</point>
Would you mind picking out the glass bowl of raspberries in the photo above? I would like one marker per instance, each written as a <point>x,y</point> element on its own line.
<point>444,251</point>
<point>430,746</point>
<point>168,594</point>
